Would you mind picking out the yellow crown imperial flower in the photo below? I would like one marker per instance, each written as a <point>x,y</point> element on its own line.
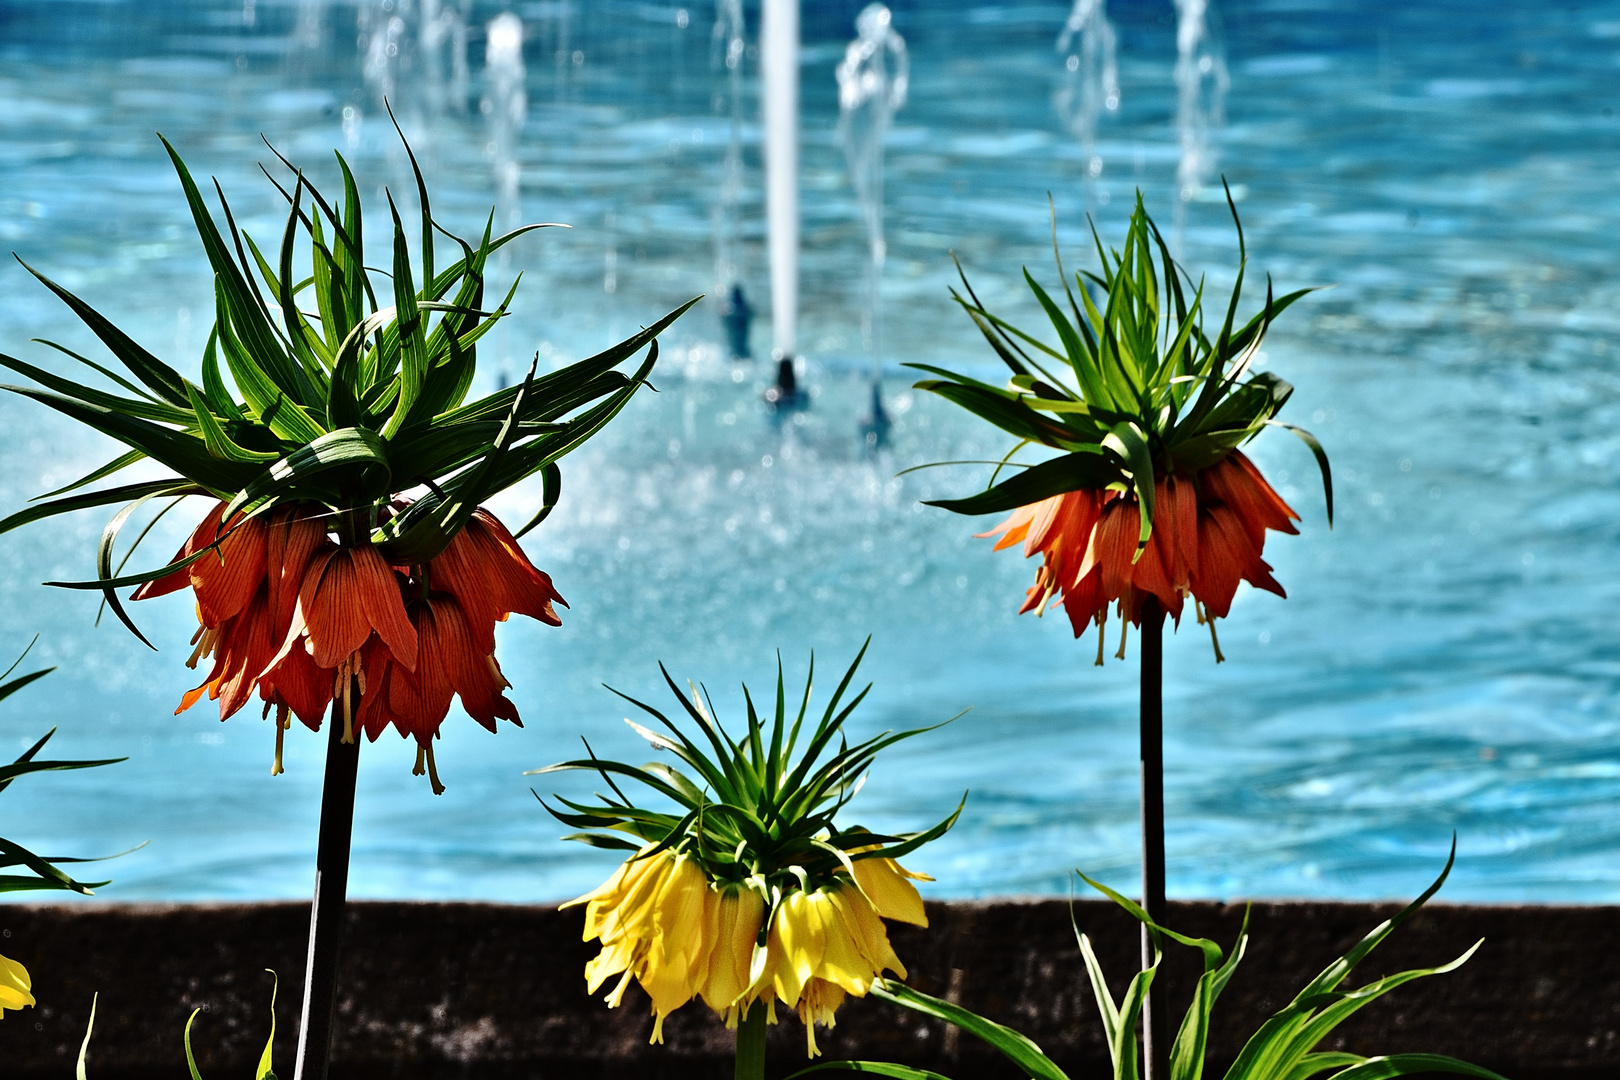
<point>15,986</point>
<point>751,892</point>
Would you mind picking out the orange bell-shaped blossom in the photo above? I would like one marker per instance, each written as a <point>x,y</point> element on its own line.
<point>286,610</point>
<point>491,578</point>
<point>1208,535</point>
<point>448,665</point>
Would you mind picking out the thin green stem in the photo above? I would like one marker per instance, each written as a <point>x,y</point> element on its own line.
<point>751,1044</point>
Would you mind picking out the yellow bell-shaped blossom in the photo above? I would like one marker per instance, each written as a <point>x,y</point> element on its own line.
<point>826,944</point>
<point>733,916</point>
<point>650,917</point>
<point>15,986</point>
<point>884,883</point>
<point>663,924</point>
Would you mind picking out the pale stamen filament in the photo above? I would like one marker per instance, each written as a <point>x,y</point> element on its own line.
<point>433,771</point>
<point>283,722</point>
<point>205,640</point>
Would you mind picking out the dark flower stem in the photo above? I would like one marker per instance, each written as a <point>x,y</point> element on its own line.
<point>331,896</point>
<point>751,1044</point>
<point>1155,1044</point>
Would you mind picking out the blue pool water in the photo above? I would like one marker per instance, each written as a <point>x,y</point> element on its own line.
<point>1448,658</point>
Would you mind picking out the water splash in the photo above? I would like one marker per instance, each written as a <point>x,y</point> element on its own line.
<point>309,29</point>
<point>506,107</point>
<point>1091,85</point>
<point>383,43</point>
<point>1201,85</point>
<point>872,83</point>
<point>442,42</point>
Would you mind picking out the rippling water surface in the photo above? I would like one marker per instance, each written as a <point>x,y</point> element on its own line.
<point>1447,659</point>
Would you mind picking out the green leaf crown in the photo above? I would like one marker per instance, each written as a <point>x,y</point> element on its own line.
<point>751,812</point>
<point>346,405</point>
<point>1145,391</point>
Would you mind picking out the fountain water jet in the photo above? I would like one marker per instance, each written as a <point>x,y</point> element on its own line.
<point>729,48</point>
<point>1091,86</point>
<point>1201,85</point>
<point>506,106</point>
<point>872,81</point>
<point>779,64</point>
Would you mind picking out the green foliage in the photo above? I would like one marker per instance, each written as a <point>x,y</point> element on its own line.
<point>1284,1048</point>
<point>753,813</point>
<point>265,1070</point>
<point>341,398</point>
<point>1144,390</point>
<point>43,872</point>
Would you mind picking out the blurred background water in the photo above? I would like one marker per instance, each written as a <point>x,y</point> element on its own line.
<point>1446,660</point>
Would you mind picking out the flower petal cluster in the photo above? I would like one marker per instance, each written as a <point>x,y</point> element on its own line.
<point>750,892</point>
<point>15,986</point>
<point>287,611</point>
<point>1209,534</point>
<point>328,390</point>
<point>1149,494</point>
<point>662,923</point>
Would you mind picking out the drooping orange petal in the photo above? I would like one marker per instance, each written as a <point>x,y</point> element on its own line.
<point>1115,544</point>
<point>1224,556</point>
<point>383,606</point>
<point>226,579</point>
<point>246,645</point>
<point>1236,482</point>
<point>292,679</point>
<point>332,613</point>
<point>475,675</point>
<point>1042,514</point>
<point>348,593</point>
<point>295,535</point>
<point>489,575</point>
<point>373,715</point>
<point>203,535</point>
<point>1148,575</point>
<point>1084,600</point>
<point>1258,574</point>
<point>1012,530</point>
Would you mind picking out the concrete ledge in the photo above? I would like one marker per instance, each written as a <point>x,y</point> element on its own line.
<point>480,990</point>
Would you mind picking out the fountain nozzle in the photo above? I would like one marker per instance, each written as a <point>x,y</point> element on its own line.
<point>785,396</point>
<point>735,315</point>
<point>875,425</point>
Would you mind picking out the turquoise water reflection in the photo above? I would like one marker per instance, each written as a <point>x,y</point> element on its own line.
<point>1446,659</point>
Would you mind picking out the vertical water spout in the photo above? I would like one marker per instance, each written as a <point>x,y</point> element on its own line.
<point>729,47</point>
<point>505,106</point>
<point>383,40</point>
<point>779,64</point>
<point>872,82</point>
<point>442,42</point>
<point>1201,84</point>
<point>1091,85</point>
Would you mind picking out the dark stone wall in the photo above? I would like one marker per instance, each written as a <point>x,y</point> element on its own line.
<point>494,992</point>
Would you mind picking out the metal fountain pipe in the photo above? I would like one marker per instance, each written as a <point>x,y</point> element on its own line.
<point>779,67</point>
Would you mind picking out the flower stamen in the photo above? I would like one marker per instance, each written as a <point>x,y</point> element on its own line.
<point>432,770</point>
<point>283,722</point>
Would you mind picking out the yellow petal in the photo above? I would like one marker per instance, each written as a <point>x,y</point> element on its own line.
<point>885,884</point>
<point>733,927</point>
<point>798,941</point>
<point>15,986</point>
<point>845,962</point>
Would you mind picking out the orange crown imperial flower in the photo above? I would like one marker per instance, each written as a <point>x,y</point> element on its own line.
<point>324,621</point>
<point>347,558</point>
<point>750,893</point>
<point>1150,497</point>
